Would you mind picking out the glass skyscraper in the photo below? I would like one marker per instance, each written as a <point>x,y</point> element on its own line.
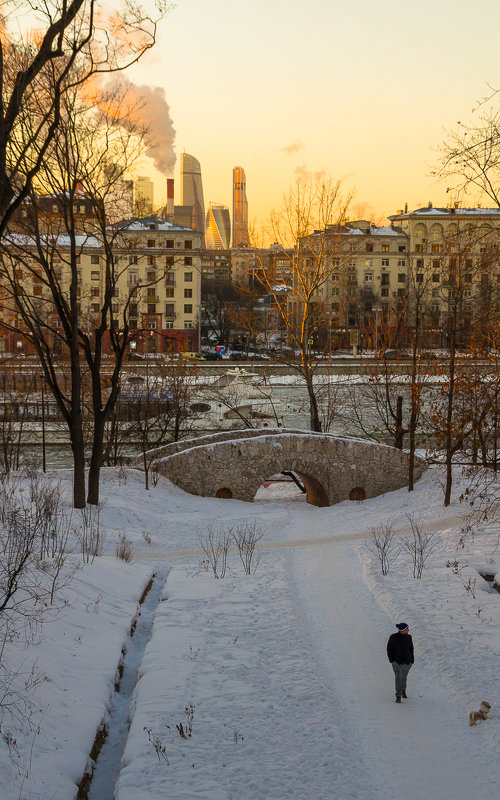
<point>218,228</point>
<point>240,209</point>
<point>192,191</point>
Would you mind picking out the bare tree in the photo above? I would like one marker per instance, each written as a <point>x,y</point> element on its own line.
<point>89,155</point>
<point>69,34</point>
<point>309,234</point>
<point>470,154</point>
<point>384,546</point>
<point>419,545</point>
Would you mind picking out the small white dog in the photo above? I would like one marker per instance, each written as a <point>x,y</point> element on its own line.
<point>482,714</point>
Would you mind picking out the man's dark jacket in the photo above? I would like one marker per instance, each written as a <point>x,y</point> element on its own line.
<point>400,648</point>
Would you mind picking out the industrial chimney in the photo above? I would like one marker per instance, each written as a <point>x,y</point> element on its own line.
<point>170,199</point>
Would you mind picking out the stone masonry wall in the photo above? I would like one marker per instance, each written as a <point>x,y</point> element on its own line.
<point>337,464</point>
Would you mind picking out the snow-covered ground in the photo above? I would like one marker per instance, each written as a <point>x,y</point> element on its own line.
<point>283,672</point>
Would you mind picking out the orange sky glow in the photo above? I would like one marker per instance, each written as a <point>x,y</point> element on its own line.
<point>357,90</point>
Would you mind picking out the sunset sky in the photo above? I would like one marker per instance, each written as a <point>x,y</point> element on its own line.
<point>359,90</point>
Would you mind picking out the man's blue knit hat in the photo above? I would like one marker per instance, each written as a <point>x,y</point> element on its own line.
<point>401,626</point>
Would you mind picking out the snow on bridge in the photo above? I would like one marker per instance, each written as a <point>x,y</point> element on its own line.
<point>234,464</point>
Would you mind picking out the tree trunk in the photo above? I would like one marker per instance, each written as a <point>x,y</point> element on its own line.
<point>315,422</point>
<point>95,460</point>
<point>78,450</point>
<point>400,432</point>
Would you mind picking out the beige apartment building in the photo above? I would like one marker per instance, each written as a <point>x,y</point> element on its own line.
<point>363,285</point>
<point>156,283</point>
<point>453,267</point>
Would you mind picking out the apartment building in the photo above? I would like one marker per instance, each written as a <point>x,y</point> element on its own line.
<point>155,276</point>
<point>454,266</point>
<point>357,275</point>
<point>160,263</point>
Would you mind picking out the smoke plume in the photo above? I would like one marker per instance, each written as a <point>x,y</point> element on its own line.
<point>146,107</point>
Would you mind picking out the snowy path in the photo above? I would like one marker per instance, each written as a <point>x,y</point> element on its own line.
<point>408,750</point>
<point>447,520</point>
<point>108,764</point>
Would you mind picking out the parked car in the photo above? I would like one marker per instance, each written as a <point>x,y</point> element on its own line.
<point>212,356</point>
<point>396,355</point>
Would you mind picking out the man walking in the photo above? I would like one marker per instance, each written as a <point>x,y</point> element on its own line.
<point>400,654</point>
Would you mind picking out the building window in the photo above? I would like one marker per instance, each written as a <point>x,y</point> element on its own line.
<point>188,261</point>
<point>169,324</point>
<point>435,277</point>
<point>401,277</point>
<point>133,323</point>
<point>419,277</point>
<point>188,244</point>
<point>435,248</point>
<point>369,262</point>
<point>114,308</point>
<point>151,325</point>
<point>151,261</point>
<point>188,325</point>
<point>384,292</point>
<point>188,292</point>
<point>151,308</point>
<point>169,292</point>
<point>132,259</point>
<point>369,247</point>
<point>401,292</point>
<point>188,308</point>
<point>385,248</point>
<point>95,291</point>
<point>401,262</point>
<point>170,309</point>
<point>385,262</point>
<point>401,248</point>
<point>132,278</point>
<point>170,244</point>
<point>150,276</point>
<point>188,277</point>
<point>95,276</point>
<point>385,279</point>
<point>419,248</point>
<point>335,292</point>
<point>435,293</point>
<point>151,243</point>
<point>94,259</point>
<point>368,277</point>
<point>95,308</point>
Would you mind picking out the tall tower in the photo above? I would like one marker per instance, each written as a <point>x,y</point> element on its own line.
<point>240,208</point>
<point>192,192</point>
<point>218,230</point>
<point>143,196</point>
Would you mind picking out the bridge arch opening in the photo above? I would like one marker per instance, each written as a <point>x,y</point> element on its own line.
<point>292,485</point>
<point>224,493</point>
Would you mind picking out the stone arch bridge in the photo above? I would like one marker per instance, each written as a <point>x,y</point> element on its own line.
<point>234,464</point>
